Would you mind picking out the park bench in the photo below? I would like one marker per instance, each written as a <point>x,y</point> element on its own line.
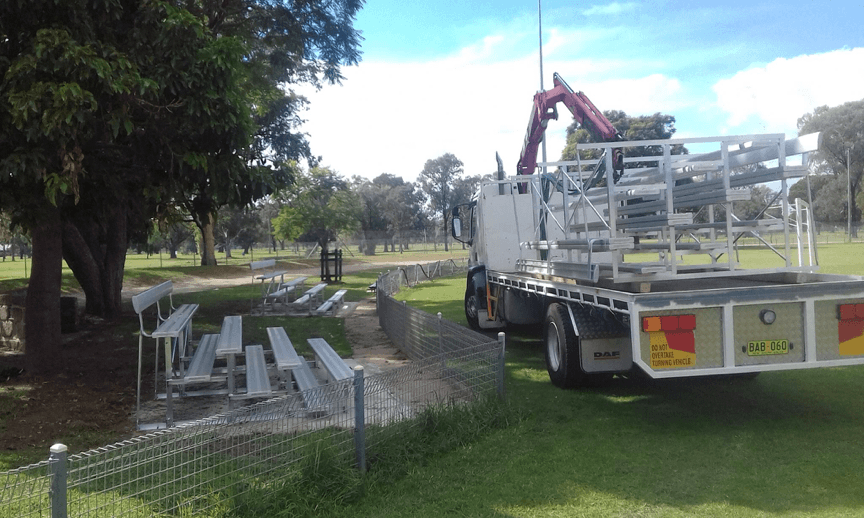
<point>286,289</point>
<point>269,285</point>
<point>307,386</point>
<point>201,366</point>
<point>257,379</point>
<point>333,303</point>
<point>173,325</point>
<point>311,297</point>
<point>284,355</point>
<point>287,360</point>
<point>326,358</point>
<point>230,344</point>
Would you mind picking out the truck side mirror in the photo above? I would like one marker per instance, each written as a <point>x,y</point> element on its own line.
<point>457,227</point>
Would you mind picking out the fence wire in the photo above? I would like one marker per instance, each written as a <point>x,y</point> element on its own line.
<point>211,464</point>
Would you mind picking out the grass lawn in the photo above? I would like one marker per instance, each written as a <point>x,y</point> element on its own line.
<point>784,444</point>
<point>141,270</point>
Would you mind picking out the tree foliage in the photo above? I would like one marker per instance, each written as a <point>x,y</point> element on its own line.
<point>842,130</point>
<point>437,180</point>
<point>644,127</point>
<point>318,207</point>
<point>113,112</point>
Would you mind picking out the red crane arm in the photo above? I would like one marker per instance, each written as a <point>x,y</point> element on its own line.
<point>583,110</point>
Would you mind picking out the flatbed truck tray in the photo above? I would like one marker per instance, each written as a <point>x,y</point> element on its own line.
<point>712,326</point>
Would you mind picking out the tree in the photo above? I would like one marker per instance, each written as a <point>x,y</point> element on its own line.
<point>112,111</point>
<point>436,180</point>
<point>842,130</point>
<point>237,227</point>
<point>403,208</point>
<point>644,127</point>
<point>320,206</point>
<point>373,223</point>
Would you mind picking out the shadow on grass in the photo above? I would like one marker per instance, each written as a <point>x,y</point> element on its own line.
<point>782,442</point>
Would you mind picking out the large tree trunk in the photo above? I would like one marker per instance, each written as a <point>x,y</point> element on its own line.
<point>208,241</point>
<point>96,253</point>
<point>42,313</point>
<point>85,268</point>
<point>116,242</point>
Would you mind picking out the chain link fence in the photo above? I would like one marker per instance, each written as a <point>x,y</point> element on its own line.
<point>211,464</point>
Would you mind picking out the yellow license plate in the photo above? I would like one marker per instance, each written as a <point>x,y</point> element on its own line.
<point>767,347</point>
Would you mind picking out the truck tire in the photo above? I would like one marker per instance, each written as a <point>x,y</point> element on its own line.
<point>472,307</point>
<point>562,348</point>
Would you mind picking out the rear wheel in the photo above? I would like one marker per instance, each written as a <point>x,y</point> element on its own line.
<point>562,348</point>
<point>564,352</point>
<point>472,307</point>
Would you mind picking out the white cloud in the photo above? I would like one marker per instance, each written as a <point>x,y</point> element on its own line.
<point>774,96</point>
<point>393,117</point>
<point>609,9</point>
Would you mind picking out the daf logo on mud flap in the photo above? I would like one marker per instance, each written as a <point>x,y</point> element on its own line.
<point>607,355</point>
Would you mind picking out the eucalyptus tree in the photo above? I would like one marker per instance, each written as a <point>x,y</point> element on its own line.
<point>840,155</point>
<point>319,205</point>
<point>437,180</point>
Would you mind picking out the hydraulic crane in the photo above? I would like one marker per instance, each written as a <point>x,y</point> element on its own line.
<point>585,113</point>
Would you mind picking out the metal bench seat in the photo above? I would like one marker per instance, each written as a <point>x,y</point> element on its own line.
<point>285,356</point>
<point>257,379</point>
<point>311,296</point>
<point>325,356</point>
<point>201,367</point>
<point>176,323</point>
<point>332,303</point>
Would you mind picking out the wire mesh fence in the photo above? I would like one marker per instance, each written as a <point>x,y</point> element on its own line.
<point>213,464</point>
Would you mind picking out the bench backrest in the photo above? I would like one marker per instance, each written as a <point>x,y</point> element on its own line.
<point>265,263</point>
<point>147,298</point>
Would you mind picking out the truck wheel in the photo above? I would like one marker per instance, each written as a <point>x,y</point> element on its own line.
<point>562,348</point>
<point>472,307</point>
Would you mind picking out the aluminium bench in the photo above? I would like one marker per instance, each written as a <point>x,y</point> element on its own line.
<point>286,289</point>
<point>287,360</point>
<point>326,358</point>
<point>284,355</point>
<point>257,380</point>
<point>307,385</point>
<point>269,285</point>
<point>311,297</point>
<point>332,304</point>
<point>201,366</point>
<point>173,325</point>
<point>230,344</point>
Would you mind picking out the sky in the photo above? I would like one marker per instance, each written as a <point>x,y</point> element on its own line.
<point>441,76</point>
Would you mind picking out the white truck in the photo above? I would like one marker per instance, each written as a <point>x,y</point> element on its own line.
<point>643,272</point>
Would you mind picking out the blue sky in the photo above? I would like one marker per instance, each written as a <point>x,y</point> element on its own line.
<point>459,77</point>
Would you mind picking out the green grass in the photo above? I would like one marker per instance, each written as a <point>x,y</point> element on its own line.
<point>786,444</point>
<point>783,444</point>
<point>441,295</point>
<point>141,270</point>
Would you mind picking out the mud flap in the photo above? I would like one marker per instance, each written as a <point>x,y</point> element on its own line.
<point>612,354</point>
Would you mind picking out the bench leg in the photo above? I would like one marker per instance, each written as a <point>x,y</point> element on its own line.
<point>169,407</point>
<point>232,362</point>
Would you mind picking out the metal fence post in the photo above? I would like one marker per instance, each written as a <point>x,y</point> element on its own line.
<point>359,419</point>
<point>57,462</point>
<point>501,341</point>
<point>440,336</point>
